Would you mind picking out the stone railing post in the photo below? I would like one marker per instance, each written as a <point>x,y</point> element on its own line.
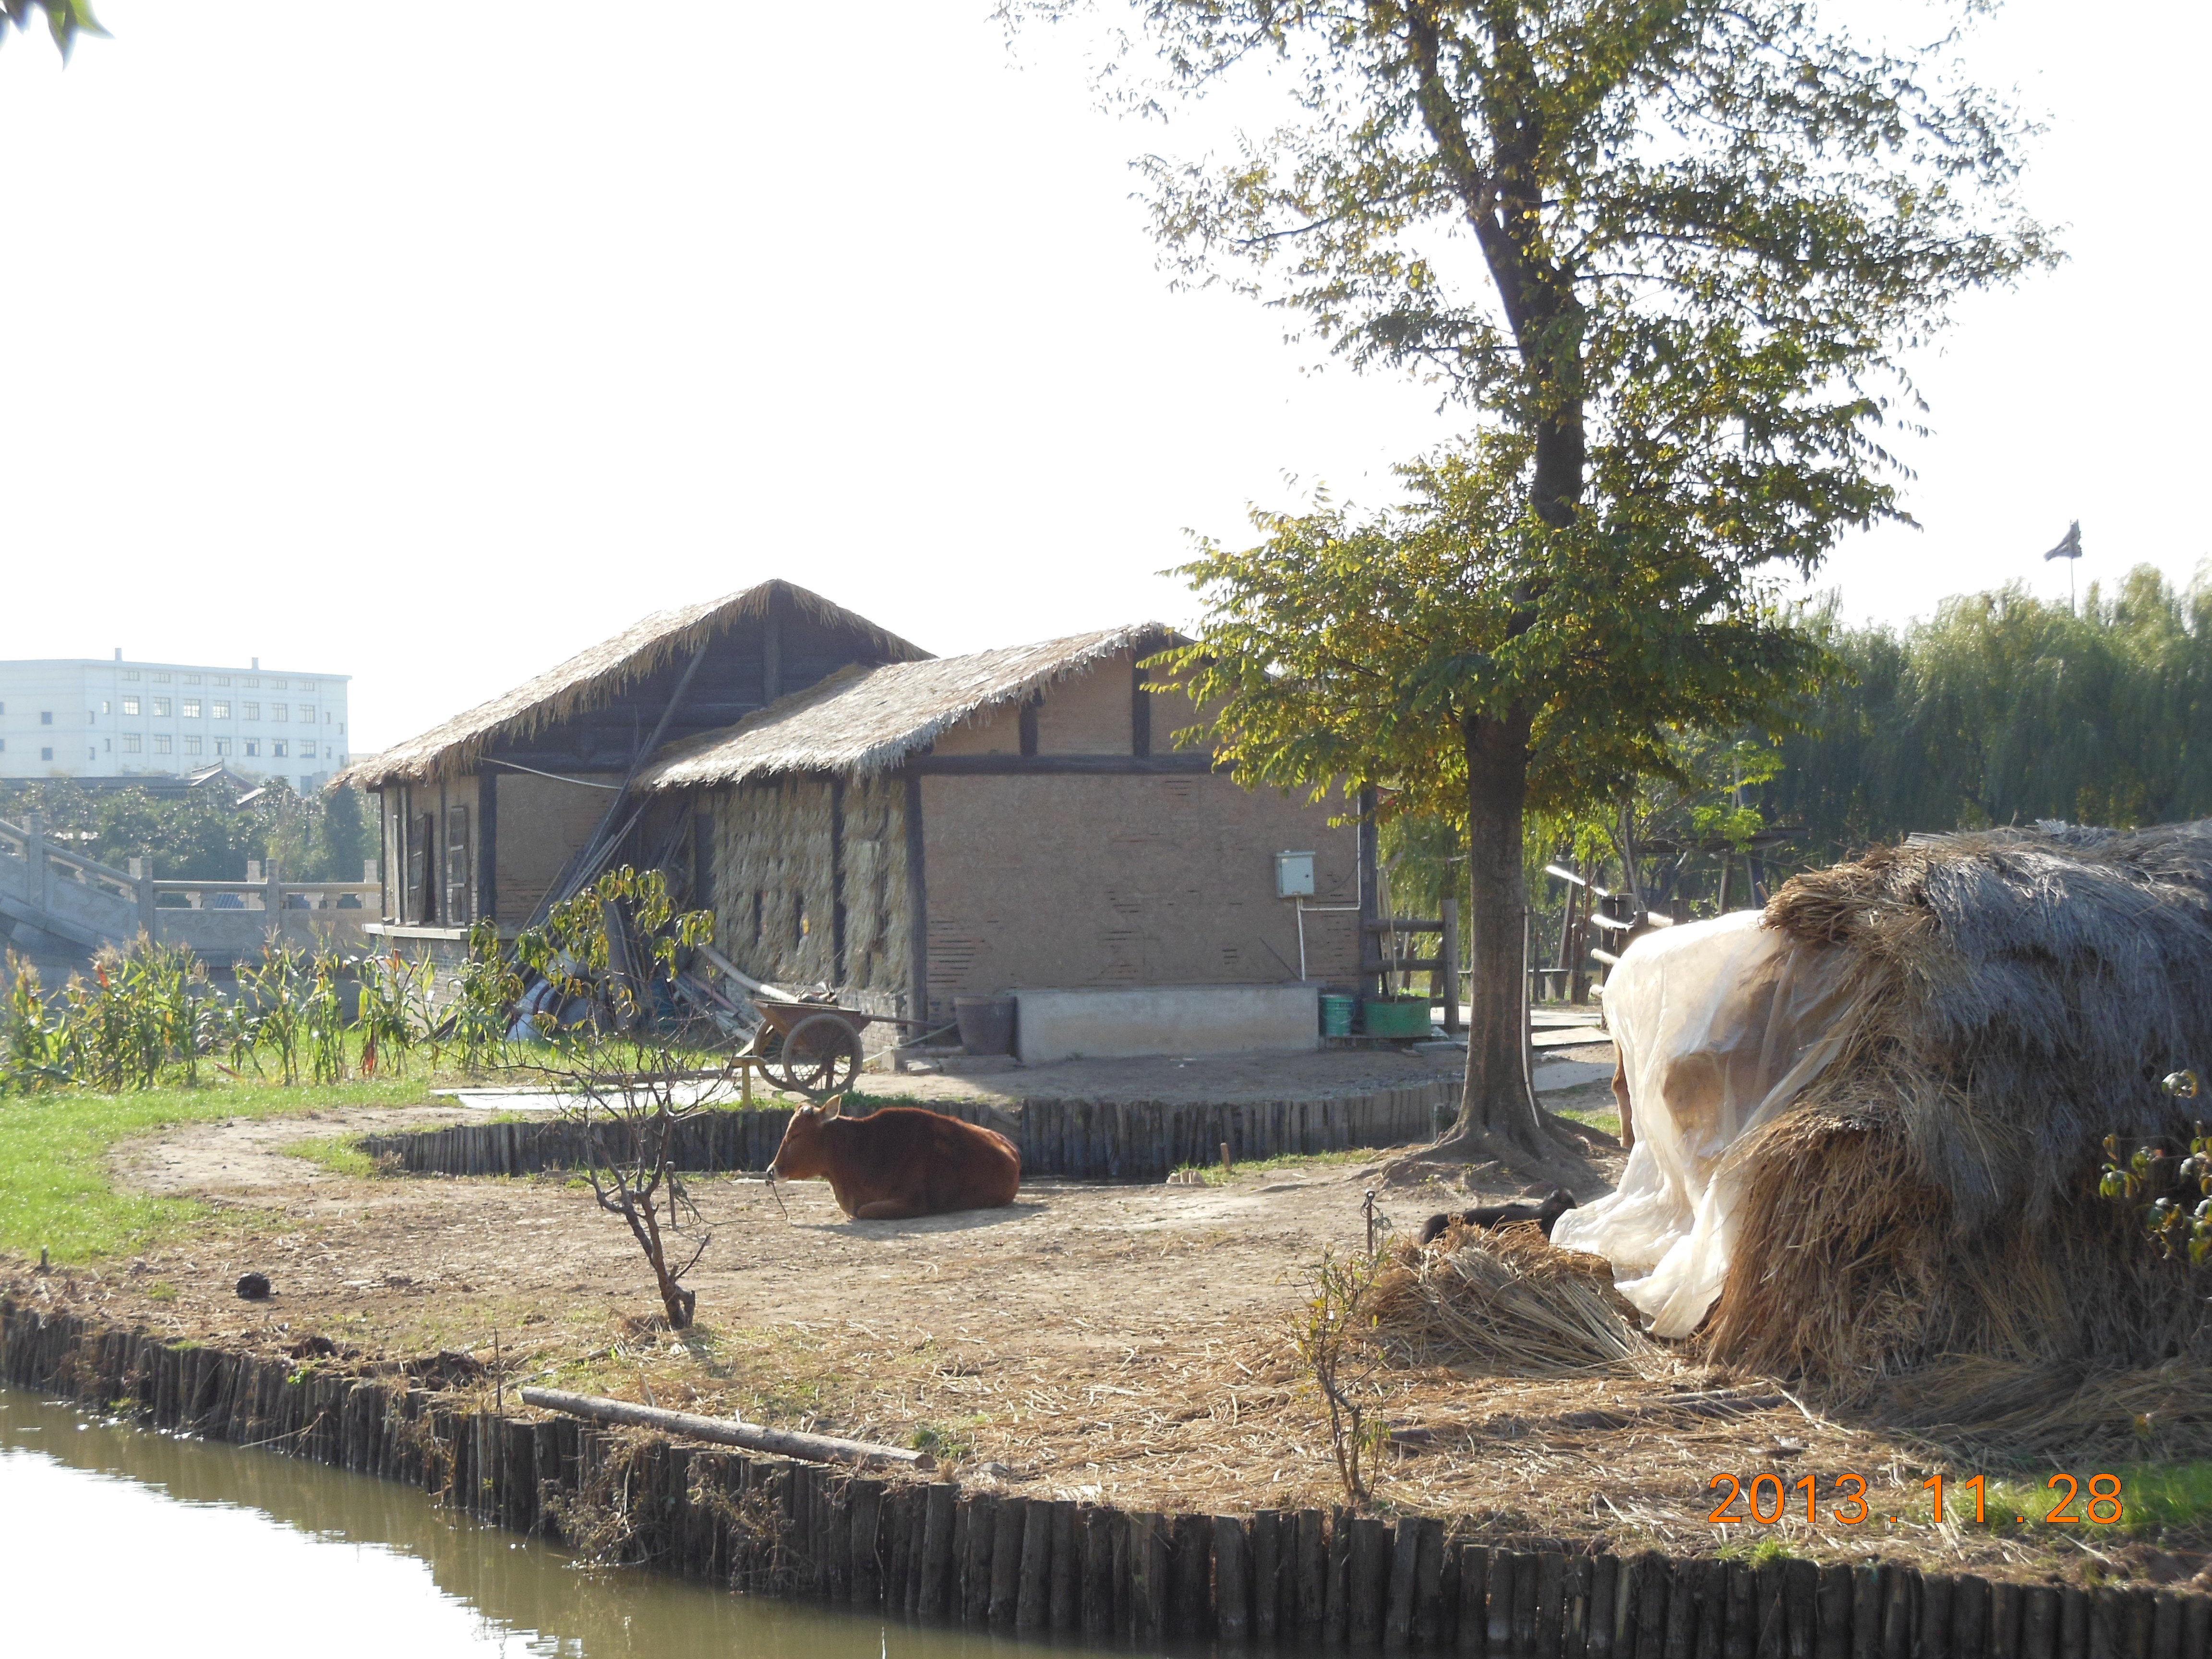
<point>34,858</point>
<point>142,876</point>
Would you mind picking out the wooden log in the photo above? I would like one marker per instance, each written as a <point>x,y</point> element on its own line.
<point>1398,1594</point>
<point>1033,1588</point>
<point>1123,1536</point>
<point>1310,1576</point>
<point>1448,1569</point>
<point>1064,1594</point>
<point>1267,1574</point>
<point>1866,1612</point>
<point>1190,1578</point>
<point>1739,1611</point>
<point>864,1551</point>
<point>1510,1570</point>
<point>1551,1606</point>
<point>2073,1623</point>
<point>2038,1623</point>
<point>1606,1615</point>
<point>935,1582</point>
<point>1148,1577</point>
<point>1970,1617</point>
<point>1900,1600</point>
<point>1474,1601</point>
<point>1232,1581</point>
<point>1654,1596</point>
<point>2195,1626</point>
<point>982,1540</point>
<point>1575,1614</point>
<point>1932,1636</point>
<point>1368,1582</point>
<point>1336,1584</point>
<point>2003,1639</point>
<point>2140,1606</point>
<point>1006,1544</point>
<point>1772,1632</point>
<point>898,1534</point>
<point>1096,1527</point>
<point>1429,1616</point>
<point>728,1431</point>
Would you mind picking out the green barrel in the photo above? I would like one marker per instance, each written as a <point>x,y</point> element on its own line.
<point>1395,1017</point>
<point>1336,1014</point>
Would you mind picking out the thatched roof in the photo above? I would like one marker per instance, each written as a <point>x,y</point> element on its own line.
<point>595,676</point>
<point>869,720</point>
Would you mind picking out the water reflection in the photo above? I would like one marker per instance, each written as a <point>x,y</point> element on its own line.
<point>117,1541</point>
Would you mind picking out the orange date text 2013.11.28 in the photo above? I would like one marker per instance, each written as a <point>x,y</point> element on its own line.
<point>1767,1499</point>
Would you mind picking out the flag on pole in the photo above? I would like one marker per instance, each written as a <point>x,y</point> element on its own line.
<point>2069,549</point>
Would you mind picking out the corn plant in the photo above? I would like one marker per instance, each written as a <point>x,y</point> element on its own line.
<point>280,999</point>
<point>484,992</point>
<point>322,1014</point>
<point>31,1047</point>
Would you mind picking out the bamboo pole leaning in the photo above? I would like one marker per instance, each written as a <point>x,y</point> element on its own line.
<point>728,1431</point>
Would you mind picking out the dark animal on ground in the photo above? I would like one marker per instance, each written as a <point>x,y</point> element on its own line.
<point>253,1286</point>
<point>1491,1217</point>
<point>899,1162</point>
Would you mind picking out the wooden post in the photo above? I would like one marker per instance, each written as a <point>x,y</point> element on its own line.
<point>2004,1623</point>
<point>1550,1605</point>
<point>1575,1618</point>
<point>1866,1612</point>
<point>2073,1624</point>
<point>2038,1623</point>
<point>1064,1597</point>
<point>1009,1536</point>
<point>1096,1528</point>
<point>1934,1640</point>
<point>1428,1611</point>
<point>1368,1582</point>
<point>1448,966</point>
<point>937,1549</point>
<point>867,1550</point>
<point>1232,1581</point>
<point>1398,1596</point>
<point>1148,1577</point>
<point>1190,1577</point>
<point>1033,1585</point>
<point>1900,1588</point>
<point>1310,1574</point>
<point>1268,1574</point>
<point>1740,1617</point>
<point>1473,1599</point>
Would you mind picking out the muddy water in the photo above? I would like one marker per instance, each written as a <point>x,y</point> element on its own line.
<point>115,1540</point>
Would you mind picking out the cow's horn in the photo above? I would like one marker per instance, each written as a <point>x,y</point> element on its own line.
<point>834,1105</point>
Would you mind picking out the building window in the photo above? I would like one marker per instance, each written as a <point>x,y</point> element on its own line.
<point>307,751</point>
<point>223,746</point>
<point>249,711</point>
<point>253,748</point>
<point>108,744</point>
<point>275,711</point>
<point>130,705</point>
<point>306,713</point>
<point>219,679</point>
<point>130,673</point>
<point>191,680</point>
<point>3,745</point>
<point>160,743</point>
<point>192,745</point>
<point>191,709</point>
<point>46,717</point>
<point>130,743</point>
<point>219,710</point>
<point>277,750</point>
<point>104,708</point>
<point>278,685</point>
<point>252,684</point>
<point>161,679</point>
<point>160,708</point>
<point>45,754</point>
<point>342,728</point>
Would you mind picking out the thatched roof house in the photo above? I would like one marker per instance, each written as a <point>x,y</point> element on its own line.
<point>482,813</point>
<point>900,828</point>
<point>1011,818</point>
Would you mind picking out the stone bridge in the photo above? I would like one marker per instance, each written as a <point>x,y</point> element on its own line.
<point>59,907</point>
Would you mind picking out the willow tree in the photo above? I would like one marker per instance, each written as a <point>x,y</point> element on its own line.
<point>1666,253</point>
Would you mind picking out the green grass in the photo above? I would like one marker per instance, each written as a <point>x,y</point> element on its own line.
<point>55,1193</point>
<point>1594,1117</point>
<point>339,1154</point>
<point>1210,1174</point>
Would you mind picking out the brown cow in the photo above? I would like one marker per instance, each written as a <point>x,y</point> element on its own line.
<point>898,1162</point>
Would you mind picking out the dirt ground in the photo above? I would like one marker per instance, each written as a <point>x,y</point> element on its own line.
<point>1121,1343</point>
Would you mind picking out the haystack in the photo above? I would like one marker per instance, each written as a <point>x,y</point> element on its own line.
<point>1930,1194</point>
<point>1505,1303</point>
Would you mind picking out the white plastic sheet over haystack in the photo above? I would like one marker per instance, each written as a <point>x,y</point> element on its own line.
<point>1719,1024</point>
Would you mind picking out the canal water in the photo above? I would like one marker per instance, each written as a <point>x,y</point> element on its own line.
<point>117,1541</point>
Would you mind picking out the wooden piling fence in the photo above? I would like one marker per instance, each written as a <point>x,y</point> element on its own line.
<point>1074,1139</point>
<point>1034,1565</point>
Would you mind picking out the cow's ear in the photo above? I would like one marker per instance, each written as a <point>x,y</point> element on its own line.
<point>834,1105</point>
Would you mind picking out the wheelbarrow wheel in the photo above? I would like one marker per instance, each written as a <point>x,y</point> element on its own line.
<point>820,1057</point>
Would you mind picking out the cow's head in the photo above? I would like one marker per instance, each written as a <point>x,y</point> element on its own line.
<point>805,1153</point>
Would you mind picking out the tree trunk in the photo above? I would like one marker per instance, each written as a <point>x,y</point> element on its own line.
<point>1495,1109</point>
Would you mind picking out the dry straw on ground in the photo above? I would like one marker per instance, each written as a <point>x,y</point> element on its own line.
<point>1932,1195</point>
<point>1507,1303</point>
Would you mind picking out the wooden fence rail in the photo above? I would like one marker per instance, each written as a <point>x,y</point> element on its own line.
<point>1075,1139</point>
<point>1036,1565</point>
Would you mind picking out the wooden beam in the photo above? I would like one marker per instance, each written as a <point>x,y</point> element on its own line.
<point>1184,762</point>
<point>917,898</point>
<point>728,1431</point>
<point>487,843</point>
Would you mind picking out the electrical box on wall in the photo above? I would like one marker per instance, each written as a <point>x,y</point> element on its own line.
<point>1294,877</point>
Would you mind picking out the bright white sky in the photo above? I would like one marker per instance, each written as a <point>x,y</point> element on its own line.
<point>430,346</point>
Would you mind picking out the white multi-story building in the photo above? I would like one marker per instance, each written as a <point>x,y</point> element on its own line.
<point>83,718</point>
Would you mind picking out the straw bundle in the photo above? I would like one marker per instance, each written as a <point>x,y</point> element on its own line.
<point>1933,1192</point>
<point>773,879</point>
<point>1506,1303</point>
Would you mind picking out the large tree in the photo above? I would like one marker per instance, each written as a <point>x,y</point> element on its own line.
<point>1667,253</point>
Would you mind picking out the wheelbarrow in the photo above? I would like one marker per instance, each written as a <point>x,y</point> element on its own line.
<point>814,1047</point>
